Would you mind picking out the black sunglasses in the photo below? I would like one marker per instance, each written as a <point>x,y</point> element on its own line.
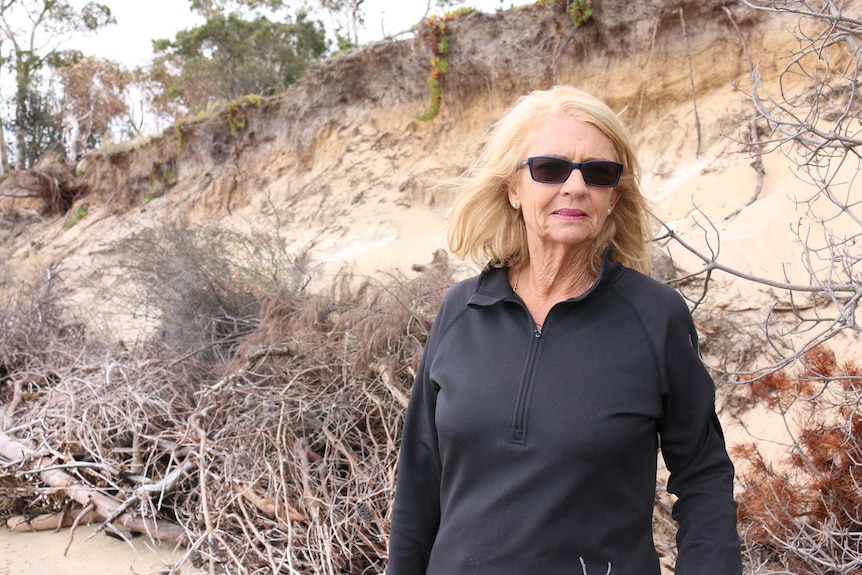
<point>550,170</point>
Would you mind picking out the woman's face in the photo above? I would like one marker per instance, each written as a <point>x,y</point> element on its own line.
<point>571,214</point>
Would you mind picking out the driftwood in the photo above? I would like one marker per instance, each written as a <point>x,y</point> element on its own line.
<point>105,506</point>
<point>49,521</point>
<point>271,508</point>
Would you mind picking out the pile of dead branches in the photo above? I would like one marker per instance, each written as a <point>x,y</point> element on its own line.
<point>279,461</point>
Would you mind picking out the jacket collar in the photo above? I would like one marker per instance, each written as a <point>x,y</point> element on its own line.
<point>493,285</point>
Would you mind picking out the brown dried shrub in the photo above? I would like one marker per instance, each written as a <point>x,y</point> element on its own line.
<point>805,511</point>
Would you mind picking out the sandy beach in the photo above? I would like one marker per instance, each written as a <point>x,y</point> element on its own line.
<point>45,553</point>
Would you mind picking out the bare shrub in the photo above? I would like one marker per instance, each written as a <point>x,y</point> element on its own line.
<point>35,337</point>
<point>202,285</point>
<point>308,417</point>
<point>284,464</point>
<point>809,113</point>
<point>38,346</point>
<point>801,513</point>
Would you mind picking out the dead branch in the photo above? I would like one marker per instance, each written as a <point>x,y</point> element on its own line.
<point>753,137</point>
<point>18,453</point>
<point>387,378</point>
<point>84,514</point>
<point>691,79</point>
<point>202,481</point>
<point>9,411</point>
<point>51,521</point>
<point>269,507</point>
<point>711,264</point>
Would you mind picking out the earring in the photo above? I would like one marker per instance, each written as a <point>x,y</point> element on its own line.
<point>515,205</point>
<point>609,211</point>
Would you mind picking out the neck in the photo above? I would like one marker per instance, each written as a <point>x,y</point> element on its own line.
<point>555,279</point>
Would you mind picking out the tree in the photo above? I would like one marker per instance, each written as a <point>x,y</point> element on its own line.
<point>229,56</point>
<point>347,19</point>
<point>94,97</point>
<point>207,8</point>
<point>43,121</point>
<point>23,22</point>
<point>4,153</point>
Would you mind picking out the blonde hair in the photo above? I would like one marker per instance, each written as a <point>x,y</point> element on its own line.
<point>484,227</point>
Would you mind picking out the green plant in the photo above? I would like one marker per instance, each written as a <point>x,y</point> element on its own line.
<point>178,130</point>
<point>162,176</point>
<point>579,11</point>
<point>253,99</point>
<point>236,118</point>
<point>80,213</point>
<point>166,173</point>
<point>156,191</point>
<point>439,40</point>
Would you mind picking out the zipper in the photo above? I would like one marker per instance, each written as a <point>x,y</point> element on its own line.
<point>525,392</point>
<point>519,425</point>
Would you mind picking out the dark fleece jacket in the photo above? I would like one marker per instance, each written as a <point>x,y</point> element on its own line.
<point>535,452</point>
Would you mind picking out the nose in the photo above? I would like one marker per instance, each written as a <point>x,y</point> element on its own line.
<point>575,184</point>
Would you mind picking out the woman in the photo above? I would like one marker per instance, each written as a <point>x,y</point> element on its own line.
<point>548,381</point>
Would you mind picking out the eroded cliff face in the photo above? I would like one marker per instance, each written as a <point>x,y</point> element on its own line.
<point>340,164</point>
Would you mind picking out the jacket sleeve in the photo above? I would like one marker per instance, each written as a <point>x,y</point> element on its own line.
<point>692,443</point>
<point>416,511</point>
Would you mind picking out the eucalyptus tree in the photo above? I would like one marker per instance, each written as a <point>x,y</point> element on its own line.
<point>34,31</point>
<point>260,50</point>
<point>95,95</point>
